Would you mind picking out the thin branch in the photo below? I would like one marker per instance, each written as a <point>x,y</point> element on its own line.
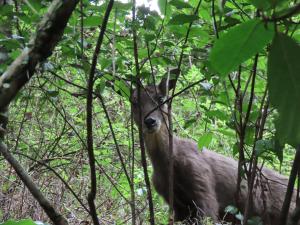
<point>49,32</point>
<point>289,192</point>
<point>54,215</point>
<point>114,137</point>
<point>291,12</point>
<point>81,28</point>
<point>89,117</point>
<point>175,95</point>
<point>140,125</point>
<point>42,163</point>
<point>170,127</point>
<point>111,181</point>
<point>215,26</point>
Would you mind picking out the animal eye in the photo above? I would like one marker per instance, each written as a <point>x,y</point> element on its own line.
<point>161,99</point>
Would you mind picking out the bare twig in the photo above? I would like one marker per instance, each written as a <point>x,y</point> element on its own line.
<point>175,95</point>
<point>114,137</point>
<point>171,163</point>
<point>142,145</point>
<point>40,162</point>
<point>89,118</point>
<point>55,216</point>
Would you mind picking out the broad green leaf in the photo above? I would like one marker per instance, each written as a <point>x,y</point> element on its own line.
<point>205,140</point>
<point>180,4</point>
<point>149,36</point>
<point>101,86</point>
<point>262,146</point>
<point>278,149</point>
<point>92,21</point>
<point>261,5</point>
<point>21,222</point>
<point>52,93</point>
<point>217,114</point>
<point>150,23</point>
<point>123,88</point>
<point>284,87</point>
<point>235,149</point>
<point>267,146</point>
<point>181,19</point>
<point>189,123</point>
<point>239,216</point>
<point>122,6</point>
<point>275,3</point>
<point>34,5</point>
<point>6,10</point>
<point>162,4</point>
<point>238,45</point>
<point>105,62</point>
<point>231,209</point>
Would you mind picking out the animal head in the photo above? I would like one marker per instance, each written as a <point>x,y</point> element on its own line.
<point>153,117</point>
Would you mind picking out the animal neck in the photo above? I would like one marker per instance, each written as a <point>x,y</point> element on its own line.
<point>157,145</point>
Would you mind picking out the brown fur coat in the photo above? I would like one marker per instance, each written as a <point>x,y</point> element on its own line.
<point>205,182</point>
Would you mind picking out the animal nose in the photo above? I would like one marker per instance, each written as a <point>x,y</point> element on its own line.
<point>150,122</point>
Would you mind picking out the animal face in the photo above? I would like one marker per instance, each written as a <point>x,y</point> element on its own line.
<point>153,117</point>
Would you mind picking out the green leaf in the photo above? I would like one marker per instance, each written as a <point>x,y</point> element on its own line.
<point>105,62</point>
<point>217,114</point>
<point>278,149</point>
<point>238,45</point>
<point>261,5</point>
<point>162,4</point>
<point>231,209</point>
<point>150,23</point>
<point>101,86</point>
<point>122,6</point>
<point>284,87</point>
<point>239,216</point>
<point>205,140</point>
<point>92,21</point>
<point>180,4</point>
<point>181,19</point>
<point>21,222</point>
<point>34,5</point>
<point>149,37</point>
<point>189,123</point>
<point>262,146</point>
<point>123,88</point>
<point>52,93</point>
<point>6,10</point>
<point>235,149</point>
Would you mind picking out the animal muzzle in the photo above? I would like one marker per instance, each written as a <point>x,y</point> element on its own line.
<point>150,123</point>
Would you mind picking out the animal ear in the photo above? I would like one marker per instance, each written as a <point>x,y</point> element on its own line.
<point>168,84</point>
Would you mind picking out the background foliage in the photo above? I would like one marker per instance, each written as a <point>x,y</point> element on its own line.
<point>247,51</point>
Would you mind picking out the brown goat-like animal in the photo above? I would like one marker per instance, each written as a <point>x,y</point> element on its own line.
<point>204,182</point>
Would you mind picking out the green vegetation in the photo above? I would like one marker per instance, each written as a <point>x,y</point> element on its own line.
<point>239,63</point>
